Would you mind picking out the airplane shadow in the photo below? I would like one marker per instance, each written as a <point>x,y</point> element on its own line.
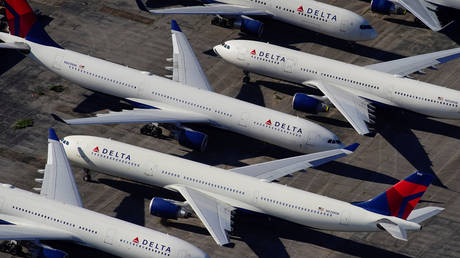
<point>396,127</point>
<point>140,191</point>
<point>75,250</point>
<point>263,235</point>
<point>286,35</point>
<point>154,4</point>
<point>328,120</point>
<point>251,92</point>
<point>131,209</point>
<point>350,171</point>
<point>287,88</point>
<point>99,101</point>
<point>9,59</point>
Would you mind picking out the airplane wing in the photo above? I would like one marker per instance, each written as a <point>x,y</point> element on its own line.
<point>139,116</point>
<point>354,108</point>
<point>186,68</point>
<point>32,232</point>
<point>215,214</point>
<point>408,65</point>
<point>58,182</point>
<point>273,170</point>
<point>423,11</point>
<point>222,9</point>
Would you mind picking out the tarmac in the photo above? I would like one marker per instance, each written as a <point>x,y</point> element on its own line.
<point>117,31</point>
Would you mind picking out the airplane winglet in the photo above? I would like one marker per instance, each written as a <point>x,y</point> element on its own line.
<point>57,118</point>
<point>52,135</point>
<point>141,5</point>
<point>175,26</point>
<point>352,147</point>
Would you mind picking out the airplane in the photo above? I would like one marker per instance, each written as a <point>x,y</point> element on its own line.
<point>57,214</point>
<point>354,90</point>
<point>213,194</point>
<point>424,10</point>
<point>187,98</point>
<point>307,14</point>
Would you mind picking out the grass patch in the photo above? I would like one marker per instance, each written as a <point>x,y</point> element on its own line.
<point>38,92</point>
<point>56,88</point>
<point>23,123</point>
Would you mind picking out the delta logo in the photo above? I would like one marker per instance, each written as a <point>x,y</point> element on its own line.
<point>112,153</point>
<point>284,126</point>
<point>318,13</point>
<point>152,244</point>
<point>253,52</point>
<point>273,57</point>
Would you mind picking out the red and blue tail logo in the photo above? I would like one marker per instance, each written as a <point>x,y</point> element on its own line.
<point>401,199</point>
<point>23,22</point>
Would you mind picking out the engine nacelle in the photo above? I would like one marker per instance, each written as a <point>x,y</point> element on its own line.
<point>249,26</point>
<point>305,103</point>
<point>49,252</point>
<point>192,139</point>
<point>386,7</point>
<point>162,208</point>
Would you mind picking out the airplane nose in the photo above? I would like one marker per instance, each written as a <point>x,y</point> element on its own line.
<point>215,50</point>
<point>372,34</point>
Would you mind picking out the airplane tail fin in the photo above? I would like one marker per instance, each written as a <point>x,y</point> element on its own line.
<point>401,199</point>
<point>23,22</point>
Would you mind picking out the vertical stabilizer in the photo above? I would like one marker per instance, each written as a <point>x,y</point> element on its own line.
<point>23,22</point>
<point>400,199</point>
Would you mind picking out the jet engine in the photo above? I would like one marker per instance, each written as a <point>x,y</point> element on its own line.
<point>244,23</point>
<point>192,139</point>
<point>165,209</point>
<point>387,7</point>
<point>249,26</point>
<point>305,103</point>
<point>47,251</point>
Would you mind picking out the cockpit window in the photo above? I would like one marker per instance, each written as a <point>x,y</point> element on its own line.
<point>365,27</point>
<point>65,142</point>
<point>226,45</point>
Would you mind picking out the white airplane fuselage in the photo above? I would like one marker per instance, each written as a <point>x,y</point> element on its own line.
<point>315,16</point>
<point>300,67</point>
<point>224,112</point>
<point>240,191</point>
<point>89,228</point>
<point>447,3</point>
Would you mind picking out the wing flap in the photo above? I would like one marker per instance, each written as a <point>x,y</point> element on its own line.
<point>186,68</point>
<point>139,116</point>
<point>353,108</point>
<point>222,9</point>
<point>408,65</point>
<point>215,215</point>
<point>273,170</point>
<point>419,8</point>
<point>58,182</point>
<point>32,232</point>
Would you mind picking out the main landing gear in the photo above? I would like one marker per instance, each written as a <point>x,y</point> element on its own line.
<point>246,77</point>
<point>87,176</point>
<point>152,129</point>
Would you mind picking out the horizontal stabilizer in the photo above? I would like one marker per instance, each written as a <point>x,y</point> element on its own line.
<point>422,214</point>
<point>16,46</point>
<point>395,230</point>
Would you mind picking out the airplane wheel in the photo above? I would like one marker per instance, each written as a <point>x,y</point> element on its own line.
<point>87,178</point>
<point>246,79</point>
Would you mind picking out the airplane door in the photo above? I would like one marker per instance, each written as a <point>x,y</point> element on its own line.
<point>153,170</point>
<point>109,235</point>
<point>58,61</point>
<point>244,121</point>
<point>289,65</point>
<point>344,218</point>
